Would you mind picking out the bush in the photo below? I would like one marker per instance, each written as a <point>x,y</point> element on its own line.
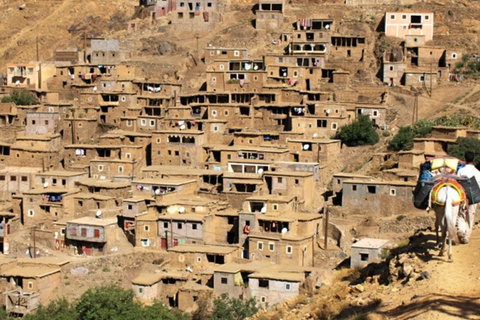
<point>21,98</point>
<point>358,133</point>
<point>224,308</point>
<point>462,145</point>
<point>403,140</point>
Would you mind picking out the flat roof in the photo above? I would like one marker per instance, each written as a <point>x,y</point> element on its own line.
<point>370,243</point>
<point>181,170</point>
<point>94,221</point>
<point>30,272</point>
<point>201,248</point>
<point>104,183</point>
<point>281,276</point>
<point>62,173</point>
<point>270,197</point>
<point>183,217</point>
<point>378,182</point>
<point>44,260</point>
<point>164,181</point>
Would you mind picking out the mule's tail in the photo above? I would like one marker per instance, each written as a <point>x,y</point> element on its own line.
<point>451,219</point>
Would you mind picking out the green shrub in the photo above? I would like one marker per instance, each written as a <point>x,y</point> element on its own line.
<point>358,133</point>
<point>403,140</point>
<point>21,98</point>
<point>465,144</point>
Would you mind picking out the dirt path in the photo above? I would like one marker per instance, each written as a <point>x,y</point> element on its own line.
<point>452,290</point>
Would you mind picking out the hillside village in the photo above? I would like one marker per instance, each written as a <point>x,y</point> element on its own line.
<point>216,168</point>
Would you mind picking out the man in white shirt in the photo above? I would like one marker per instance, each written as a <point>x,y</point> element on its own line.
<point>466,217</point>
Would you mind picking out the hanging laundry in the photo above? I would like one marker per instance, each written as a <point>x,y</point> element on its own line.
<point>248,66</point>
<point>242,82</point>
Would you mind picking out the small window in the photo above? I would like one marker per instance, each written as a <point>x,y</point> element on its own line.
<point>143,122</point>
<point>454,55</point>
<point>263,299</point>
<point>128,155</point>
<point>214,79</point>
<point>236,53</point>
<point>100,168</point>
<point>404,17</point>
<point>289,249</point>
<point>288,286</point>
<point>392,68</point>
<point>280,180</point>
<point>194,226</point>
<point>140,290</point>
<point>13,178</point>
<point>30,285</point>
<point>130,207</point>
<point>31,213</point>
<point>145,242</point>
<point>224,280</point>
<point>152,123</point>
<point>62,231</point>
<point>2,178</point>
<point>372,189</point>
<point>263,283</point>
<point>146,228</point>
<point>120,169</point>
<point>165,224</point>
<point>271,246</point>
<point>295,74</point>
<point>24,178</point>
<point>222,67</point>
<point>179,225</point>
<point>260,245</point>
<point>354,187</point>
<point>392,17</point>
<point>214,113</point>
<point>80,203</point>
<point>364,256</point>
<point>393,192</point>
<point>275,207</point>
<point>427,17</point>
<point>334,126</point>
<point>421,78</point>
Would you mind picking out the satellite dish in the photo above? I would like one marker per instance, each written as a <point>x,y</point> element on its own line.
<point>98,214</point>
<point>284,230</point>
<point>182,209</point>
<point>315,135</point>
<point>329,111</point>
<point>327,26</point>
<point>263,210</point>
<point>306,147</point>
<point>45,184</point>
<point>260,171</point>
<point>171,210</point>
<point>157,191</point>
<point>182,127</point>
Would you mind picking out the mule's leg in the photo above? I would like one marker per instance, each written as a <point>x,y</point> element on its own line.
<point>444,237</point>
<point>450,259</point>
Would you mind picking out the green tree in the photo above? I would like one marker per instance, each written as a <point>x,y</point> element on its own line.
<point>56,310</point>
<point>21,98</point>
<point>465,144</point>
<point>403,140</point>
<point>358,133</point>
<point>108,303</point>
<point>158,311</point>
<point>225,308</point>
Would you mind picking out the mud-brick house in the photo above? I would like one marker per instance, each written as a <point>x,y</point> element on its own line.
<point>377,114</point>
<point>269,14</point>
<point>116,189</point>
<point>286,239</point>
<point>81,126</point>
<point>189,293</point>
<point>316,126</point>
<point>236,76</point>
<point>322,151</point>
<point>88,204</point>
<point>178,147</point>
<point>133,207</point>
<point>208,181</point>
<point>46,205</point>
<point>108,52</point>
<point>411,159</point>
<point>161,286</point>
<point>311,36</point>
<point>220,53</point>
<point>155,95</point>
<point>401,24</point>
<point>33,75</point>
<point>60,178</point>
<point>383,197</point>
<point>191,254</point>
<point>367,251</point>
<point>311,167</point>
<point>9,122</point>
<point>41,151</point>
<point>271,288</point>
<point>41,123</point>
<point>185,228</point>
<point>15,180</point>
<point>244,159</point>
<point>164,189</point>
<point>112,104</point>
<point>232,278</point>
<point>92,236</point>
<point>350,48</point>
<point>30,286</point>
<point>339,178</point>
<point>300,185</point>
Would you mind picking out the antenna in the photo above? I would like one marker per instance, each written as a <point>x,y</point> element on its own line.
<point>182,209</point>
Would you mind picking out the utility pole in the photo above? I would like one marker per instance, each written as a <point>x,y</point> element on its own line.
<point>34,243</point>
<point>415,109</point>
<point>325,212</point>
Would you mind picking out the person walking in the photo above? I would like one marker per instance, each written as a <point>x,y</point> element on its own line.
<point>466,217</point>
